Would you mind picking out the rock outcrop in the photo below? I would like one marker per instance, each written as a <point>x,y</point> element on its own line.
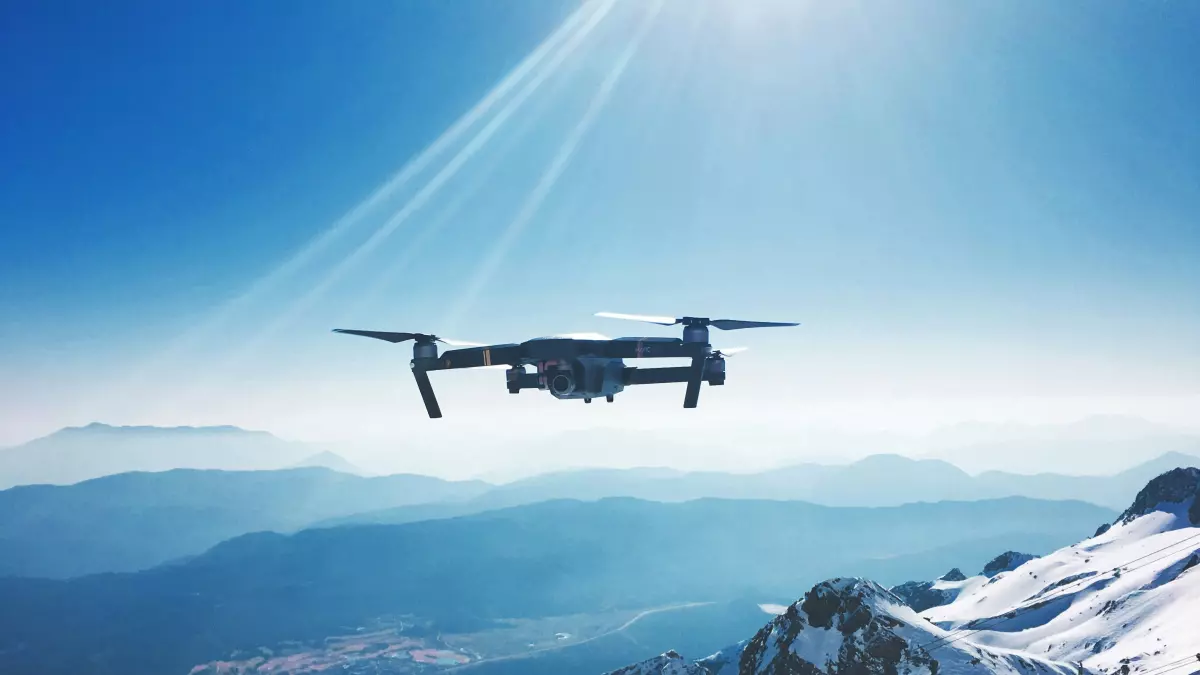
<point>921,595</point>
<point>953,575</point>
<point>1006,562</point>
<point>1177,486</point>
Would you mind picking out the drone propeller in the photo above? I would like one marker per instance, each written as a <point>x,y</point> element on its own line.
<point>730,351</point>
<point>723,324</point>
<point>404,337</point>
<point>660,320</point>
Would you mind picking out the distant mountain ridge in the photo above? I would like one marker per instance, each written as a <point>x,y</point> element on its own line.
<point>878,480</point>
<point>329,460</point>
<point>1096,445</point>
<point>76,454</point>
<point>137,520</point>
<point>547,559</point>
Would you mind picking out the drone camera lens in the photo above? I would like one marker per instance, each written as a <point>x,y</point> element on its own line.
<point>561,384</point>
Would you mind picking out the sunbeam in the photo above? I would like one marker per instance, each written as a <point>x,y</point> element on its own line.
<point>587,15</point>
<point>400,263</point>
<point>557,165</point>
<point>417,201</point>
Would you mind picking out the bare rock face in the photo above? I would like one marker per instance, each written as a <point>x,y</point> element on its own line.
<point>921,595</point>
<point>953,575</point>
<point>1177,486</point>
<point>1006,562</point>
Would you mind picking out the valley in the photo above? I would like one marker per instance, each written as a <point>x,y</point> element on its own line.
<point>404,646</point>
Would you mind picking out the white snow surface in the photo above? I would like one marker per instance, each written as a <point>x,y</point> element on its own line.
<point>1127,597</point>
<point>821,646</point>
<point>1070,606</point>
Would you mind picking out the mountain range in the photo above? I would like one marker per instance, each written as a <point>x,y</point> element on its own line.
<point>133,521</point>
<point>1126,600</point>
<point>76,454</point>
<point>878,480</point>
<point>1094,446</point>
<point>466,574</point>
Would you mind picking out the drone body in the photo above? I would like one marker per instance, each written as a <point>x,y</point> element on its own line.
<point>580,366</point>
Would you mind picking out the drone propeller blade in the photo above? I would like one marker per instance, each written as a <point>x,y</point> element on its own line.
<point>723,324</point>
<point>461,343</point>
<point>385,335</point>
<point>735,324</point>
<point>583,336</point>
<point>404,337</point>
<point>730,351</point>
<point>660,320</point>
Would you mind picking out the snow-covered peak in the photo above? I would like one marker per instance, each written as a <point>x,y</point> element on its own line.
<point>953,575</point>
<point>1176,491</point>
<point>850,625</point>
<point>670,663</point>
<point>1124,602</point>
<point>1129,596</point>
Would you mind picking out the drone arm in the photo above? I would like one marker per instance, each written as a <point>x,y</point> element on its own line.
<point>653,349</point>
<point>478,357</point>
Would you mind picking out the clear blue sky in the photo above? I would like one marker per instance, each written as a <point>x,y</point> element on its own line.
<point>961,201</point>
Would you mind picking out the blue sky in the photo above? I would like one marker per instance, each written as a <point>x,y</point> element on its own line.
<point>976,209</point>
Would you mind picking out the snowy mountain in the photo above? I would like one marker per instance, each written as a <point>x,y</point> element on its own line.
<point>853,626</point>
<point>1126,601</point>
<point>1129,596</point>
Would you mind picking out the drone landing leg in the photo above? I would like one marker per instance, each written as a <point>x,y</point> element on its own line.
<point>426,387</point>
<point>695,377</point>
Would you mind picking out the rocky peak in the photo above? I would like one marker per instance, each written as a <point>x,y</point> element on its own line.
<point>1006,562</point>
<point>1173,487</point>
<point>841,625</point>
<point>849,626</point>
<point>953,575</point>
<point>669,663</point>
<point>842,603</point>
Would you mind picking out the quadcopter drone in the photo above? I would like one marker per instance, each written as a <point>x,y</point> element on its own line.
<point>580,365</point>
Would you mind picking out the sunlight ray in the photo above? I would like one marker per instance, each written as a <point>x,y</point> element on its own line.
<point>418,200</point>
<point>397,265</point>
<point>582,18</point>
<point>557,165</point>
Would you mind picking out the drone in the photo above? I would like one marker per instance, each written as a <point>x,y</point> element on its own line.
<point>580,365</point>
